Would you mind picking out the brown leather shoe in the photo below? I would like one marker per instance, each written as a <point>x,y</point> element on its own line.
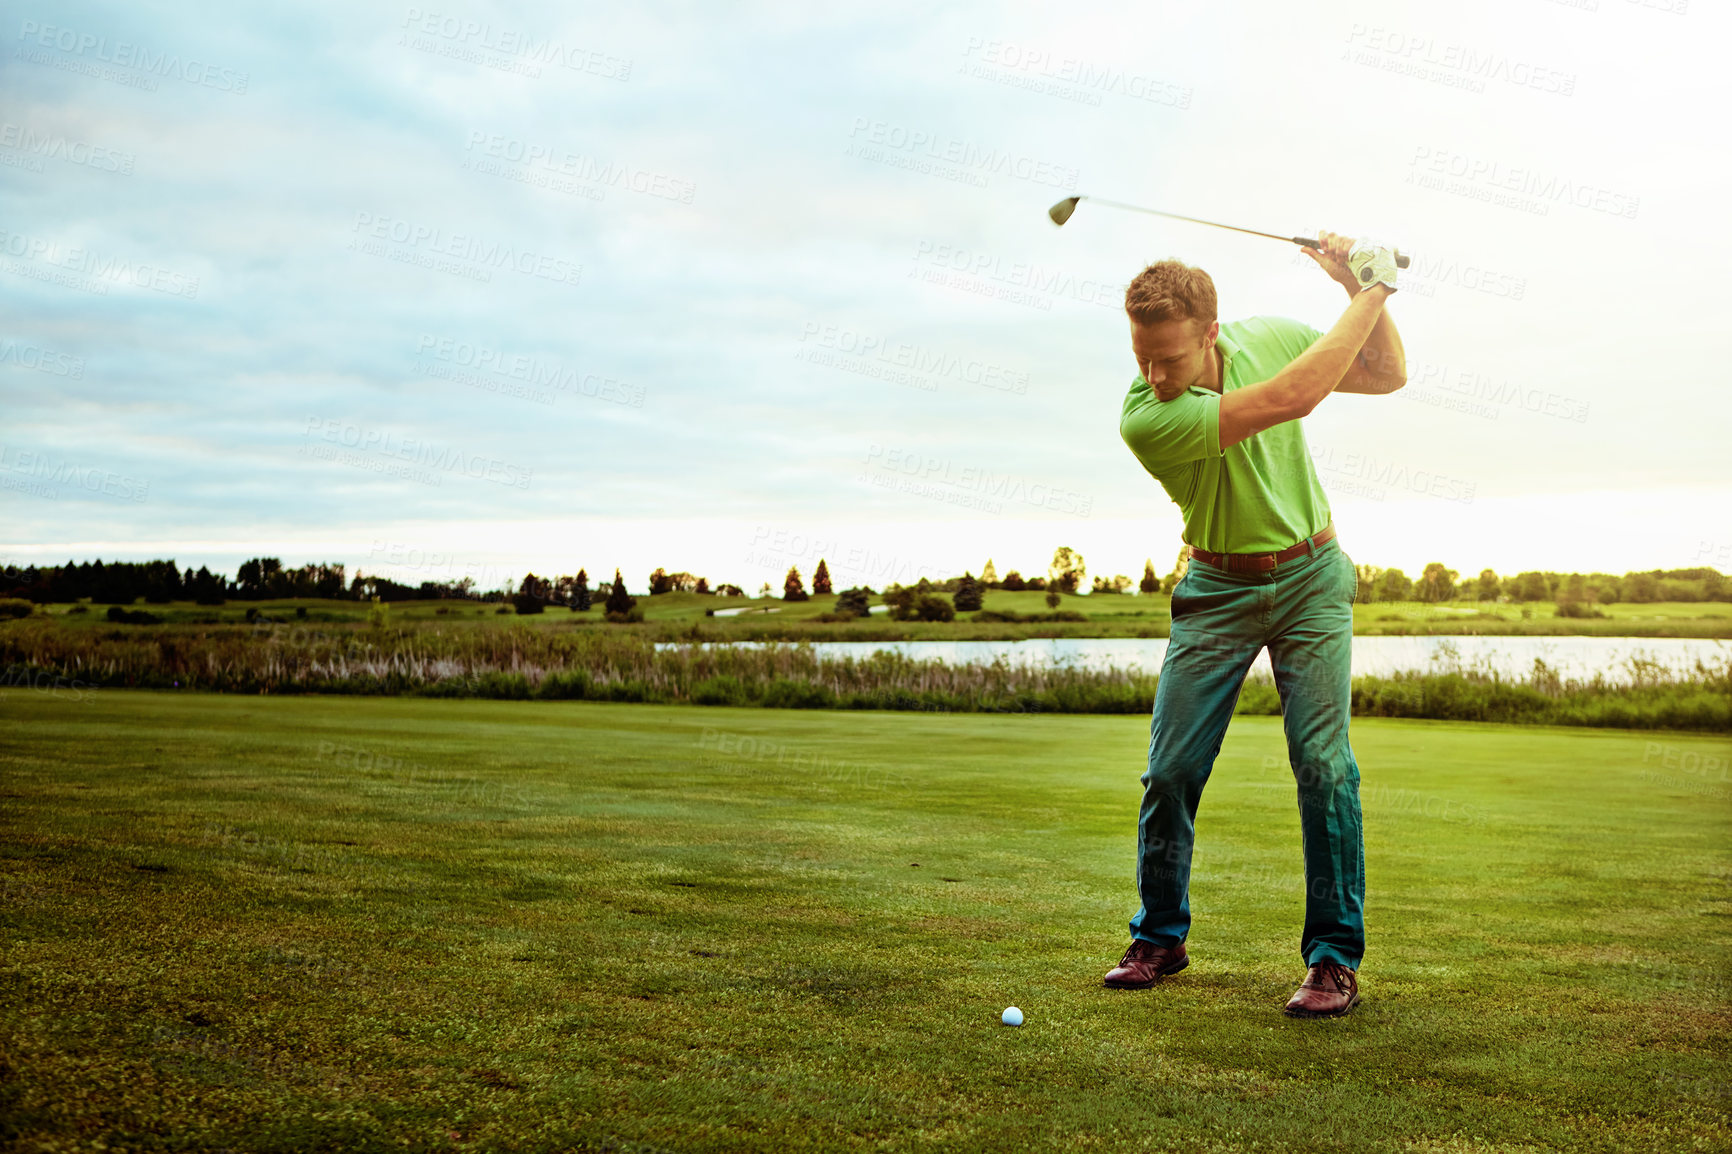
<point>1144,964</point>
<point>1329,991</point>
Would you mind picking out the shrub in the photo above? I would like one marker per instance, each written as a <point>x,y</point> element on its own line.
<point>526,603</point>
<point>132,617</point>
<point>722,690</point>
<point>856,602</point>
<point>574,685</point>
<point>928,607</point>
<point>786,693</point>
<point>17,607</point>
<point>1572,608</point>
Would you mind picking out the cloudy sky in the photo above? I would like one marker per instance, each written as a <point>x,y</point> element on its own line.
<point>482,288</point>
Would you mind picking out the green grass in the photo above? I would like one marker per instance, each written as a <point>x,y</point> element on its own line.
<point>1132,615</point>
<point>315,923</point>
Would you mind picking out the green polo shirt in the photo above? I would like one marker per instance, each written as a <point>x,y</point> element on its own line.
<point>1262,494</point>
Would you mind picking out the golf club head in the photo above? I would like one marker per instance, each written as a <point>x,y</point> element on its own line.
<point>1061,211</point>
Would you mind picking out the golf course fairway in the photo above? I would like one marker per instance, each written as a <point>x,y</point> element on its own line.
<point>298,923</point>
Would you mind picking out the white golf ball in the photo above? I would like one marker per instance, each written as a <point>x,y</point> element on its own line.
<point>1011,1017</point>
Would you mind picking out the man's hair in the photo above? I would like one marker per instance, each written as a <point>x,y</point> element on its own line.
<point>1171,290</point>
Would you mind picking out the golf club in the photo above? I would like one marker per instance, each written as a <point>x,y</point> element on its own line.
<point>1061,212</point>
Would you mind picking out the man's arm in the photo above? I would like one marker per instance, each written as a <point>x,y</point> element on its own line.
<point>1314,374</point>
<point>1381,366</point>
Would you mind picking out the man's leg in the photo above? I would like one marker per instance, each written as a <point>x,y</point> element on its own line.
<point>1217,633</point>
<point>1310,649</point>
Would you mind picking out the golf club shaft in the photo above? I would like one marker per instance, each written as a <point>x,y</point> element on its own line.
<point>1306,241</point>
<point>1401,259</point>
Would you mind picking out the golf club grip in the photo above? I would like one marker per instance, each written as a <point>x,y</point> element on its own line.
<point>1402,260</point>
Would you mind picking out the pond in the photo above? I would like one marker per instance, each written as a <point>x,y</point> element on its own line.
<point>1571,657</point>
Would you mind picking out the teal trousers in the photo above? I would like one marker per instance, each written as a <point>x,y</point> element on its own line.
<point>1302,610</point>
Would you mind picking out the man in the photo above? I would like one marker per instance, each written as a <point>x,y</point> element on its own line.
<point>1214,416</point>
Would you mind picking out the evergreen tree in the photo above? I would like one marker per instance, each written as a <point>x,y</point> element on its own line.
<point>968,594</point>
<point>821,578</point>
<point>618,600</point>
<point>1150,583</point>
<point>1013,582</point>
<point>581,597</point>
<point>793,589</point>
<point>989,575</point>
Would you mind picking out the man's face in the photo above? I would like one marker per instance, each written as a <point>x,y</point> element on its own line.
<point>1174,355</point>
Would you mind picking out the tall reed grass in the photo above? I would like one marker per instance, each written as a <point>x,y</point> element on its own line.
<point>525,663</point>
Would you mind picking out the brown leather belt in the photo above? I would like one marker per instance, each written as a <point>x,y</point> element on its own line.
<point>1263,562</point>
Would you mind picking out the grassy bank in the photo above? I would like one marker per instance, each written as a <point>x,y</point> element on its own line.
<point>687,614</point>
<point>626,666</point>
<point>374,924</point>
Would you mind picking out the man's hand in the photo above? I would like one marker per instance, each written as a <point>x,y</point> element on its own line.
<point>1372,264</point>
<point>1333,260</point>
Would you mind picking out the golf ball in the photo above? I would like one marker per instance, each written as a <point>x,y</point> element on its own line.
<point>1011,1017</point>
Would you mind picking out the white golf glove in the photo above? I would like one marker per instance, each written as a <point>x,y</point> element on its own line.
<point>1371,264</point>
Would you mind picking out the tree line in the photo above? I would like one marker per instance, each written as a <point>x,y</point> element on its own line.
<point>266,578</point>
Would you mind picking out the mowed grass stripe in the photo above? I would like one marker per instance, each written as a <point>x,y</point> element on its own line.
<point>291,923</point>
